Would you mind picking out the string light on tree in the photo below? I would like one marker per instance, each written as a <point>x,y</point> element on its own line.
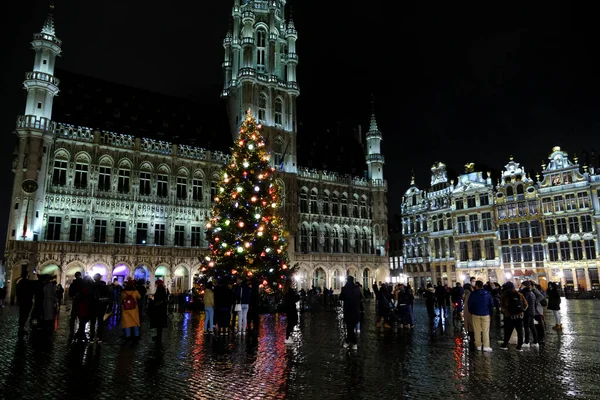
<point>244,232</point>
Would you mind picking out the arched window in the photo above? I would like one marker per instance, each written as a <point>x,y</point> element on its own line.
<point>366,279</point>
<point>314,239</point>
<point>344,205</point>
<point>519,189</point>
<point>345,241</point>
<point>357,247</point>
<point>336,280</point>
<point>509,191</point>
<point>261,50</point>
<point>336,241</point>
<point>364,241</point>
<point>363,207</point>
<point>326,210</point>
<point>313,202</point>
<point>278,112</point>
<point>335,207</point>
<point>123,184</point>
<point>327,242</point>
<point>303,239</point>
<point>81,174</point>
<point>303,201</point>
<point>262,107</point>
<point>278,152</point>
<point>355,212</point>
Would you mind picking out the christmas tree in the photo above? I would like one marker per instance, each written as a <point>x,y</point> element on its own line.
<point>245,233</point>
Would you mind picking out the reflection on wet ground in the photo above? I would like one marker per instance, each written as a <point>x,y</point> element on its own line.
<point>425,362</point>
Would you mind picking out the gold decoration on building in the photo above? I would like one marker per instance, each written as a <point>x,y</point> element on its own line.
<point>470,167</point>
<point>555,148</point>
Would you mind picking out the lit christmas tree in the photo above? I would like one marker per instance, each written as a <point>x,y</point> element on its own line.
<point>245,233</point>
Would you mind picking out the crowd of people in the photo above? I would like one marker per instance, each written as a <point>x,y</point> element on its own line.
<point>233,308</point>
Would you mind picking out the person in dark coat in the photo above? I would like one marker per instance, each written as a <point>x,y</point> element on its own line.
<point>158,310</point>
<point>554,304</point>
<point>223,302</point>
<point>350,295</point>
<point>24,300</point>
<point>101,301</point>
<point>429,295</point>
<point>440,295</point>
<point>253,314</point>
<point>74,292</point>
<point>290,298</point>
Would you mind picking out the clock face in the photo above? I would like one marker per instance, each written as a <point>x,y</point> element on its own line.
<point>29,186</point>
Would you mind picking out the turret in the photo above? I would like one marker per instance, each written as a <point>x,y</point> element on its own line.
<point>35,132</point>
<point>260,75</point>
<point>374,157</point>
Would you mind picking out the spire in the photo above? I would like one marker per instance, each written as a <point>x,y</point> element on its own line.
<point>48,27</point>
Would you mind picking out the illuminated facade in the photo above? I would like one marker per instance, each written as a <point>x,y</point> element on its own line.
<point>545,230</point>
<point>415,234</point>
<point>97,201</point>
<point>519,223</point>
<point>569,210</point>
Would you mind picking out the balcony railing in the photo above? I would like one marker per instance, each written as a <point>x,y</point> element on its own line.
<point>50,38</point>
<point>34,122</point>
<point>42,76</point>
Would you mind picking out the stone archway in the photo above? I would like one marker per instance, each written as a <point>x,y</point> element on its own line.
<point>318,280</point>
<point>181,279</point>
<point>367,278</point>
<point>99,268</point>
<point>142,273</point>
<point>121,272</point>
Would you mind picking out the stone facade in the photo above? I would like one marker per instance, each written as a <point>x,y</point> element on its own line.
<point>544,229</point>
<point>98,201</point>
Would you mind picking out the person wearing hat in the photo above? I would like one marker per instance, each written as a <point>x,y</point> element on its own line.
<point>130,315</point>
<point>350,295</point>
<point>513,306</point>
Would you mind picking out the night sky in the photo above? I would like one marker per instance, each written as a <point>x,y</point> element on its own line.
<point>455,82</point>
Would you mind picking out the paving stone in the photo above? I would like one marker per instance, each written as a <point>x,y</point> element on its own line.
<point>410,363</point>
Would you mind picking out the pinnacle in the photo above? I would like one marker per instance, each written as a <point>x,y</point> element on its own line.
<point>48,27</point>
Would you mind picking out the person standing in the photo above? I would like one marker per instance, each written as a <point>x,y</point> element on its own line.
<point>242,293</point>
<point>2,296</point>
<point>25,300</point>
<point>158,310</point>
<point>74,294</point>
<point>223,302</point>
<point>467,290</point>
<point>141,288</point>
<point>429,295</point>
<point>290,298</point>
<point>529,315</point>
<point>481,307</point>
<point>116,289</point>
<point>513,306</point>
<point>130,313</point>
<point>253,314</point>
<point>60,292</point>
<point>101,301</point>
<point>350,295</point>
<point>554,304</point>
<point>440,296</point>
<point>209,308</point>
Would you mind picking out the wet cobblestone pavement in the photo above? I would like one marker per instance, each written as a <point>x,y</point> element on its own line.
<point>414,363</point>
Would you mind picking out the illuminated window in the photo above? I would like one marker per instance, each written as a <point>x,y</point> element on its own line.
<point>583,200</point>
<point>262,107</point>
<point>278,112</point>
<point>81,176</point>
<point>261,50</point>
<point>59,174</point>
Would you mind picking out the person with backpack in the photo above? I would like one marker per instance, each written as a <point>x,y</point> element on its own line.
<point>130,314</point>
<point>99,308</point>
<point>513,305</point>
